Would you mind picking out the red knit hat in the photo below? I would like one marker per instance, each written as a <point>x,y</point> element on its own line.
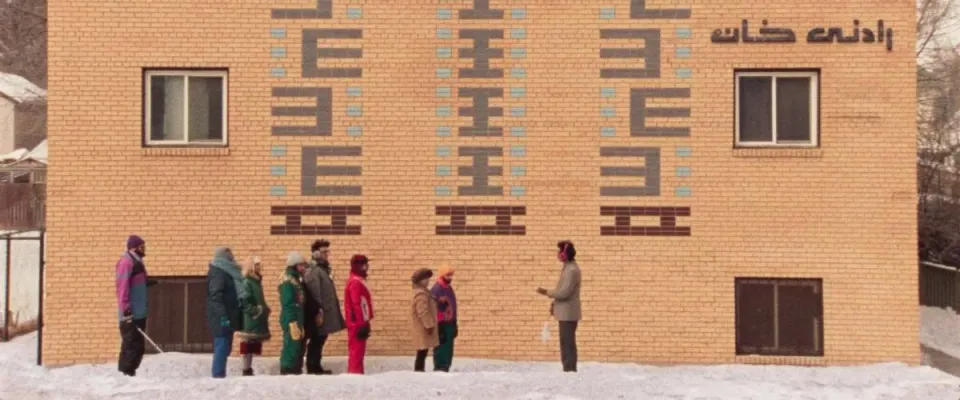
<point>358,264</point>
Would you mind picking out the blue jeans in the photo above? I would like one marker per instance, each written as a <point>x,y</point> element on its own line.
<point>222,345</point>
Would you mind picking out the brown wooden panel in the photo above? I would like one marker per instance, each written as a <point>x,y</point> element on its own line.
<point>177,315</point>
<point>164,319</point>
<point>198,331</point>
<point>754,316</point>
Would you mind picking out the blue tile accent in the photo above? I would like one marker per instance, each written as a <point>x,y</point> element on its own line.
<point>443,170</point>
<point>518,13</point>
<point>278,33</point>
<point>518,171</point>
<point>444,131</point>
<point>354,111</point>
<point>278,190</point>
<point>444,13</point>
<point>684,152</point>
<point>354,131</point>
<point>278,52</point>
<point>608,13</point>
<point>278,72</point>
<point>608,131</point>
<point>684,73</point>
<point>518,151</point>
<point>517,190</point>
<point>684,33</point>
<point>518,53</point>
<point>354,91</point>
<point>608,112</point>
<point>444,151</point>
<point>683,191</point>
<point>518,73</point>
<point>608,92</point>
<point>444,33</point>
<point>444,72</point>
<point>278,170</point>
<point>444,92</point>
<point>518,33</point>
<point>354,13</point>
<point>442,191</point>
<point>444,52</point>
<point>684,52</point>
<point>518,131</point>
<point>278,150</point>
<point>518,111</point>
<point>684,171</point>
<point>444,111</point>
<point>518,92</point>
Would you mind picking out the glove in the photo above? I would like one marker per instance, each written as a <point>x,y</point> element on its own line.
<point>224,325</point>
<point>363,333</point>
<point>127,317</point>
<point>295,332</point>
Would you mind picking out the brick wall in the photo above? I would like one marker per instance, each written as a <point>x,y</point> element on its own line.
<point>844,212</point>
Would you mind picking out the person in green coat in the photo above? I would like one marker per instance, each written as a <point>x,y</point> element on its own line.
<point>256,314</point>
<point>291,315</point>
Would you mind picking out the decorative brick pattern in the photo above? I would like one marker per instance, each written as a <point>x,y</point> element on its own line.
<point>735,212</point>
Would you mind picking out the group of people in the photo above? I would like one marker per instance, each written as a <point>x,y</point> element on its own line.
<point>310,310</point>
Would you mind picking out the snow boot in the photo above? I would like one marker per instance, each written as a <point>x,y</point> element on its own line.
<point>248,372</point>
<point>325,372</point>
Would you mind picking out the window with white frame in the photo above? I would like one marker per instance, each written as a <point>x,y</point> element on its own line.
<point>777,108</point>
<point>184,107</point>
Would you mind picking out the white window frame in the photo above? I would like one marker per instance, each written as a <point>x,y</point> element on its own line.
<point>186,74</point>
<point>814,77</point>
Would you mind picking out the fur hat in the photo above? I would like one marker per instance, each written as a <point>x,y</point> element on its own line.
<point>295,259</point>
<point>420,275</point>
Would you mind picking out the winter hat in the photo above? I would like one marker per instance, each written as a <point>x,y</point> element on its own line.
<point>294,259</point>
<point>444,270</point>
<point>358,264</point>
<point>134,241</point>
<point>420,275</point>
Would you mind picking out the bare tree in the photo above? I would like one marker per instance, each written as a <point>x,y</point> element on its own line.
<point>938,131</point>
<point>23,52</point>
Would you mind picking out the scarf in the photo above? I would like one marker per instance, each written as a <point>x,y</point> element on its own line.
<point>224,261</point>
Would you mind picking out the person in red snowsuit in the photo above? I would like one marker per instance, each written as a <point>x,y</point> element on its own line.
<point>358,307</point>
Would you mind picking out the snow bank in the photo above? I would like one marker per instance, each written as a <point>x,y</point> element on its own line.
<point>24,277</point>
<point>940,330</point>
<point>182,376</point>
<point>20,89</point>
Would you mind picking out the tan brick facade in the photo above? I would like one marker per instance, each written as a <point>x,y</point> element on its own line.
<point>844,212</point>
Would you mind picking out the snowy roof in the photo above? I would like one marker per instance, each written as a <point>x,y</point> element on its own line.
<point>38,154</point>
<point>19,89</point>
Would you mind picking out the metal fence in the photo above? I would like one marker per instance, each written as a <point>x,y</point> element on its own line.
<point>938,285</point>
<point>23,273</point>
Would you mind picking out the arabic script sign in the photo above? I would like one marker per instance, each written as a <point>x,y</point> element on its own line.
<point>818,34</point>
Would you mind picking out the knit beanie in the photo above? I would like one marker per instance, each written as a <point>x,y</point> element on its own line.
<point>420,275</point>
<point>295,259</point>
<point>134,241</point>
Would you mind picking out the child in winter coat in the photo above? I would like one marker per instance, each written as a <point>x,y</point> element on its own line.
<point>358,307</point>
<point>256,314</point>
<point>446,319</point>
<point>291,315</point>
<point>424,317</point>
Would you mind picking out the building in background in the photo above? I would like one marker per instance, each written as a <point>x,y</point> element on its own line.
<point>22,113</point>
<point>739,178</point>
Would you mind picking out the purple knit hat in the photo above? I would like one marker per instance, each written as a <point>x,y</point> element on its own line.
<point>134,241</point>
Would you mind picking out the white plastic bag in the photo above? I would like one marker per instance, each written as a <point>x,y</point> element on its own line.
<point>545,333</point>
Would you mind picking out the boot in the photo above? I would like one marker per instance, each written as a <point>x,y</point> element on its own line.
<point>325,372</point>
<point>314,370</point>
<point>248,372</point>
<point>287,371</point>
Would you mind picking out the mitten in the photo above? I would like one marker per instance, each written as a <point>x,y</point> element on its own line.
<point>295,332</point>
<point>363,333</point>
<point>127,317</point>
<point>224,325</point>
<point>319,318</point>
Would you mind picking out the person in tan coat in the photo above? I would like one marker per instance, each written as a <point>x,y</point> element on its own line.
<point>423,314</point>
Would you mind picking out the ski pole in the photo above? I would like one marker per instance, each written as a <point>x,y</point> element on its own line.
<point>149,340</point>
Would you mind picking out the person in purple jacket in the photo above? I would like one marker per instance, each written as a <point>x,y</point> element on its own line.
<point>132,285</point>
<point>446,318</point>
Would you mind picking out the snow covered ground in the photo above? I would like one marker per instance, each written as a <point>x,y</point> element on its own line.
<point>24,277</point>
<point>940,330</point>
<point>181,377</point>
